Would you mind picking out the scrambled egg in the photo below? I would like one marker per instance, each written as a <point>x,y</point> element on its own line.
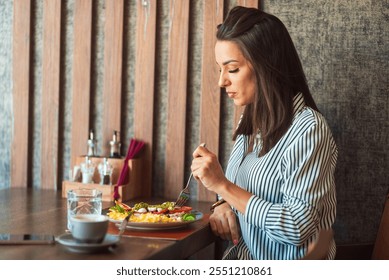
<point>151,218</point>
<point>116,215</point>
<point>142,218</point>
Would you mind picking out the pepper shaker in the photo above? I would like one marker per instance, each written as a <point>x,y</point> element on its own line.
<point>105,171</point>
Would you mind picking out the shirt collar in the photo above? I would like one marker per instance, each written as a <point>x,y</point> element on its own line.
<point>298,103</point>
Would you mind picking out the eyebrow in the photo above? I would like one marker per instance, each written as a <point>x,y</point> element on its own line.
<point>229,61</point>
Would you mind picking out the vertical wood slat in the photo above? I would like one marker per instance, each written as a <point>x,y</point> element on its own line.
<point>81,77</point>
<point>144,85</point>
<point>177,97</point>
<point>113,46</point>
<point>21,73</point>
<point>50,92</point>
<point>238,110</point>
<point>248,3</point>
<point>210,92</point>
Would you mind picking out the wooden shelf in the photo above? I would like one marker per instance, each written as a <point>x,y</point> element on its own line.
<point>132,189</point>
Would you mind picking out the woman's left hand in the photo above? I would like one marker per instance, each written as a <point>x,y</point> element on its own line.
<point>207,169</point>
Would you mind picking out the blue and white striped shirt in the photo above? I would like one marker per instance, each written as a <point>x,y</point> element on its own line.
<point>293,187</point>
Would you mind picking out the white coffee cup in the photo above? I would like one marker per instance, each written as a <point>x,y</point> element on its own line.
<point>89,228</point>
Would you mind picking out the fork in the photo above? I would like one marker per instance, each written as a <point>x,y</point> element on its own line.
<point>185,193</point>
<point>124,223</point>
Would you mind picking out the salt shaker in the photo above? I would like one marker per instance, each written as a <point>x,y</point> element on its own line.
<point>87,170</point>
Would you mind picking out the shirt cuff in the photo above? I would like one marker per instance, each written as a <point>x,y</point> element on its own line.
<point>256,211</point>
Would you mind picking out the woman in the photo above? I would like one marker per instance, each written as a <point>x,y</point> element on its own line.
<point>279,184</point>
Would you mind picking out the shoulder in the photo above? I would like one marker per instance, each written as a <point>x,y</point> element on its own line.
<point>310,118</point>
<point>311,124</point>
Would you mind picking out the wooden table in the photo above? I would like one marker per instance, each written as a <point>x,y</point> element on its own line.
<point>39,211</point>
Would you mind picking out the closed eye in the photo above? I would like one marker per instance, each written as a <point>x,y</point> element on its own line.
<point>234,70</point>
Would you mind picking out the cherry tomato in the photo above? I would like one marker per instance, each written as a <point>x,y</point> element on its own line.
<point>181,209</point>
<point>162,211</point>
<point>186,208</point>
<point>123,205</point>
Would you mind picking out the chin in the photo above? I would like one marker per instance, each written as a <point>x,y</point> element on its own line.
<point>238,103</point>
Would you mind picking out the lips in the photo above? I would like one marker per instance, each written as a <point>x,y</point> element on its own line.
<point>231,94</point>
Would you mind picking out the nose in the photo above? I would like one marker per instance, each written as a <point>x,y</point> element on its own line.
<point>223,81</point>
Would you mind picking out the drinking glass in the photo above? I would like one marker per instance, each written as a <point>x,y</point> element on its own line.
<point>83,201</point>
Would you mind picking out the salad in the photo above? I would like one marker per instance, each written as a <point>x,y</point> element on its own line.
<point>143,212</point>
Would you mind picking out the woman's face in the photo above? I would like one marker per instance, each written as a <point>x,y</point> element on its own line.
<point>236,73</point>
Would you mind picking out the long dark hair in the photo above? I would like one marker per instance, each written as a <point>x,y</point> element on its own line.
<point>266,44</point>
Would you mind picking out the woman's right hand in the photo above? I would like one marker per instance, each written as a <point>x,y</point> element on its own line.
<point>223,223</point>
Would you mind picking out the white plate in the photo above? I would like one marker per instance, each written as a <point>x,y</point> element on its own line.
<point>160,226</point>
<point>71,244</point>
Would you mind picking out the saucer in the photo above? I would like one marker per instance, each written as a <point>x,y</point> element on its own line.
<point>72,245</point>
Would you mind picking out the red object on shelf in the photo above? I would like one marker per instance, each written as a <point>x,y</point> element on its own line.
<point>133,150</point>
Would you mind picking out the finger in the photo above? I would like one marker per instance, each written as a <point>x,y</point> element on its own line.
<point>226,232</point>
<point>212,223</point>
<point>219,226</point>
<point>234,230</point>
<point>199,168</point>
<point>201,164</point>
<point>195,172</point>
<point>197,163</point>
<point>200,151</point>
<point>226,227</point>
<point>221,229</point>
